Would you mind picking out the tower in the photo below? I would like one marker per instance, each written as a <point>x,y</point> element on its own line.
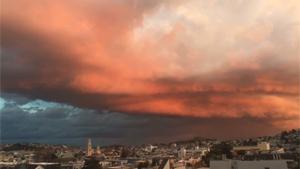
<point>98,151</point>
<point>89,150</point>
<point>182,153</point>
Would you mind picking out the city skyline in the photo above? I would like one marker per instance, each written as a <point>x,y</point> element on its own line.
<point>143,71</point>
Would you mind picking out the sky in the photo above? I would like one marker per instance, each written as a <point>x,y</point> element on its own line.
<point>139,71</point>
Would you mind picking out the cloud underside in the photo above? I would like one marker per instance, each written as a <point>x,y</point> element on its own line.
<point>201,59</point>
<point>25,120</point>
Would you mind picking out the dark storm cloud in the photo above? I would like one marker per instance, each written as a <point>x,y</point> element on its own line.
<point>59,122</point>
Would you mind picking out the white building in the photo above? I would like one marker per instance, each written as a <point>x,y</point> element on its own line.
<point>150,147</point>
<point>182,153</point>
<point>238,164</point>
<point>201,150</point>
<point>263,146</point>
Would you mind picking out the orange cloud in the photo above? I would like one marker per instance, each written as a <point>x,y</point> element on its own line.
<point>186,59</point>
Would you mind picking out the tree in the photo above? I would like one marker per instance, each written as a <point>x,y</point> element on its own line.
<point>91,163</point>
<point>125,153</point>
<point>241,152</point>
<point>143,165</point>
<point>45,156</point>
<point>223,148</point>
<point>217,151</point>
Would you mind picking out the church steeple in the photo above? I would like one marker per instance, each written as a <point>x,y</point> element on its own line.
<point>89,150</point>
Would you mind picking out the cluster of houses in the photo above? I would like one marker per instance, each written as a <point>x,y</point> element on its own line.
<point>279,152</point>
